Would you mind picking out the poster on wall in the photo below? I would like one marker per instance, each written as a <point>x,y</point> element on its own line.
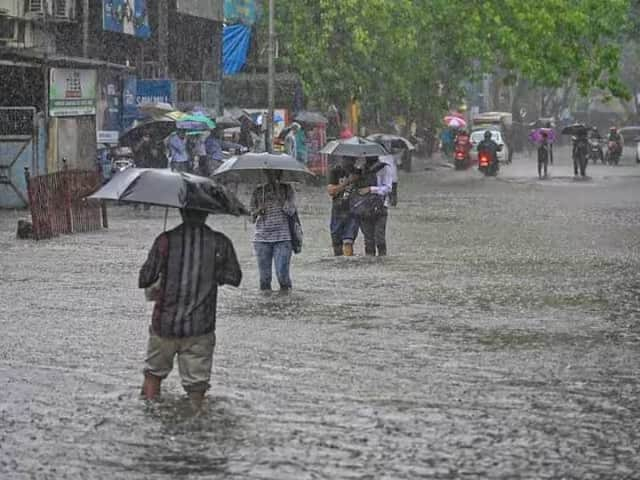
<point>72,92</point>
<point>126,16</point>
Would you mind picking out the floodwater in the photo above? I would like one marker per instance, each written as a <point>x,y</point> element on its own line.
<point>500,339</point>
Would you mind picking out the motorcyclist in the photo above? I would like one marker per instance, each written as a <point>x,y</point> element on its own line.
<point>463,142</point>
<point>489,146</point>
<point>614,136</point>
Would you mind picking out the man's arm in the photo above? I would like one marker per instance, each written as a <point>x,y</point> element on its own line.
<point>151,269</point>
<point>228,270</point>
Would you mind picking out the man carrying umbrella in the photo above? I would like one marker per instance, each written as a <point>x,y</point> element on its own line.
<point>188,264</point>
<point>344,224</point>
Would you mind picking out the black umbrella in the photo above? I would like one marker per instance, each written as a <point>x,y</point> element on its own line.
<point>575,129</point>
<point>313,118</point>
<point>354,147</point>
<point>165,188</point>
<point>157,129</point>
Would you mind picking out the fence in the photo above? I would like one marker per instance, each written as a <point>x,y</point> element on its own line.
<point>58,204</point>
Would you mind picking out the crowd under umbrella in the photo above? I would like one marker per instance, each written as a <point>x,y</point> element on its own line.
<point>158,129</point>
<point>395,141</point>
<point>354,147</point>
<point>252,167</point>
<point>164,188</point>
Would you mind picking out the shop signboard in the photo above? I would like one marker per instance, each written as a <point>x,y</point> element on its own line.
<point>140,92</point>
<point>72,92</point>
<point>209,9</point>
<point>126,16</point>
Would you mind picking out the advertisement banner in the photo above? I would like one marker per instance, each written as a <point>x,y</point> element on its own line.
<point>72,92</point>
<point>140,92</point>
<point>209,9</point>
<point>126,16</point>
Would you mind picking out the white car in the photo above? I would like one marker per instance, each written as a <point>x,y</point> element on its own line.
<point>478,135</point>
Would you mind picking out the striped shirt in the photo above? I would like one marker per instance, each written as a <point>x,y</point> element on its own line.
<point>272,208</point>
<point>190,261</point>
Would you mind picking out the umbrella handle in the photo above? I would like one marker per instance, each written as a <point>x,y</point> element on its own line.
<point>166,215</point>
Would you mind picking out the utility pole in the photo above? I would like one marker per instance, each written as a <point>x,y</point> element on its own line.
<point>46,79</point>
<point>271,81</point>
<point>163,38</point>
<point>85,28</point>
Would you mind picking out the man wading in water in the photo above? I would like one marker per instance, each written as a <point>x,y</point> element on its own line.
<point>182,274</point>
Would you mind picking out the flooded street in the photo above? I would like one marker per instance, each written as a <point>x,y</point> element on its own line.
<point>499,339</point>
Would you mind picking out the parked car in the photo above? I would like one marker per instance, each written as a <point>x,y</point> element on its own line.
<point>478,135</point>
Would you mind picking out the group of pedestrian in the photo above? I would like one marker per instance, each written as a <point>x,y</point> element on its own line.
<point>360,190</point>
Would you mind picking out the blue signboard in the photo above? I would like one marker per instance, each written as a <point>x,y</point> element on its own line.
<point>140,92</point>
<point>126,16</point>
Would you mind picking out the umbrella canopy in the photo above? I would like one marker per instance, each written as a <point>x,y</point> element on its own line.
<point>575,129</point>
<point>157,129</point>
<point>536,135</point>
<point>161,187</point>
<point>251,168</point>
<point>195,121</point>
<point>455,121</point>
<point>156,109</point>
<point>226,121</point>
<point>354,147</point>
<point>311,118</point>
<point>395,141</point>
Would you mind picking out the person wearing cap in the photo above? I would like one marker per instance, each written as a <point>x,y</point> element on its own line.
<point>182,273</point>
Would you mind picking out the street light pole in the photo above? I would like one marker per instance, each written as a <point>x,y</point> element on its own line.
<point>271,81</point>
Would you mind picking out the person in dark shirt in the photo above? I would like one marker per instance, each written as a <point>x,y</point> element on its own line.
<point>181,275</point>
<point>544,155</point>
<point>344,225</point>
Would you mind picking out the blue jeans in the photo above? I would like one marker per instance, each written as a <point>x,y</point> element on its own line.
<point>274,253</point>
<point>344,227</point>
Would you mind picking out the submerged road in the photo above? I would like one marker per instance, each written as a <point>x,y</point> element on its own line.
<point>499,339</point>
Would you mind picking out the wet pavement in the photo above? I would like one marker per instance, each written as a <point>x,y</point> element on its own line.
<point>500,339</point>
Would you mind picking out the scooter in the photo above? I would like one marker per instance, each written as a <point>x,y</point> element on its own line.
<point>486,165</point>
<point>461,159</point>
<point>595,151</point>
<point>614,151</point>
<point>121,159</point>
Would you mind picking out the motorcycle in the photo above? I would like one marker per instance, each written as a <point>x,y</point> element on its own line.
<point>486,164</point>
<point>595,151</point>
<point>614,152</point>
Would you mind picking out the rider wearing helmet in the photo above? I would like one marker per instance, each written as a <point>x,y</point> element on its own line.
<point>489,146</point>
<point>614,136</point>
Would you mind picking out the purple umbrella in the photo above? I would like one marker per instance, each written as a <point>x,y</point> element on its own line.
<point>536,135</point>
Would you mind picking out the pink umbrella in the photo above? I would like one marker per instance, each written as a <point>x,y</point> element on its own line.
<point>455,121</point>
<point>536,135</point>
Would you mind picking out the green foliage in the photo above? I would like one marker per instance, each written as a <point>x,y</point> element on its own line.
<point>408,56</point>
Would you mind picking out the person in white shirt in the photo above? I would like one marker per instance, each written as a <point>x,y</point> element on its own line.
<point>378,177</point>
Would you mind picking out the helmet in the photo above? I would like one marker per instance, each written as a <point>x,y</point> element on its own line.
<point>487,135</point>
<point>595,129</point>
<point>613,129</point>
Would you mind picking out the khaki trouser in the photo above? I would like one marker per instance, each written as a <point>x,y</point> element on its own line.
<point>195,359</point>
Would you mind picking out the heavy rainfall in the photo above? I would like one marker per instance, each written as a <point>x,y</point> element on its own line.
<point>304,240</point>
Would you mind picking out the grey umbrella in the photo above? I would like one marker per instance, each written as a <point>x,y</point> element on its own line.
<point>311,118</point>
<point>354,147</point>
<point>164,188</point>
<point>251,168</point>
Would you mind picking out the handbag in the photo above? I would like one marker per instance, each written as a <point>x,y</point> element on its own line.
<point>367,205</point>
<point>295,229</point>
